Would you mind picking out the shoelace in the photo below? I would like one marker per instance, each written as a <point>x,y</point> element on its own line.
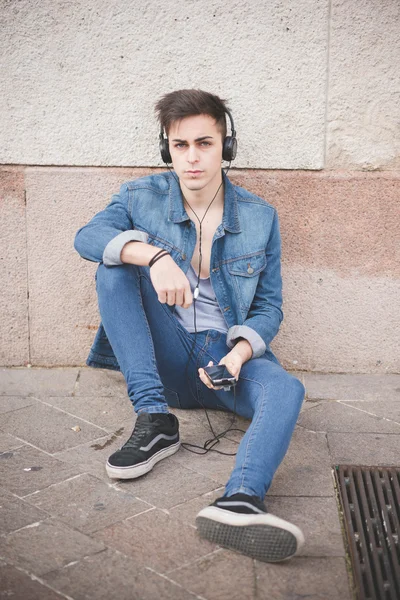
<point>138,434</point>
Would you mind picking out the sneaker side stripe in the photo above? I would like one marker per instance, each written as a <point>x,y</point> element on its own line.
<point>239,503</point>
<point>159,437</point>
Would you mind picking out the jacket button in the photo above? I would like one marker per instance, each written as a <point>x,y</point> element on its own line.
<point>250,270</point>
<point>183,256</point>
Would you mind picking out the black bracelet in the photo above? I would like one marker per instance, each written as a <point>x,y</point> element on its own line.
<point>155,256</point>
<point>158,256</point>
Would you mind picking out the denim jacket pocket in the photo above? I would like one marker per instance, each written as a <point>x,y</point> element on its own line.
<point>248,266</point>
<point>244,272</point>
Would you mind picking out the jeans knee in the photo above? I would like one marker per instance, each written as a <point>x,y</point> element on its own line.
<point>110,277</point>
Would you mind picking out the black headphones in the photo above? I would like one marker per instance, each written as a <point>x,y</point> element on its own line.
<point>228,151</point>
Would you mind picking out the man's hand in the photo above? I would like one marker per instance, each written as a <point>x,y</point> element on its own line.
<point>170,283</point>
<point>233,362</point>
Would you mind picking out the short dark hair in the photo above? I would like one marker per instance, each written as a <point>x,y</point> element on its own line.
<point>177,105</point>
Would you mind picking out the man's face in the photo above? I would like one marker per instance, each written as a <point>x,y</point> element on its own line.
<point>195,145</point>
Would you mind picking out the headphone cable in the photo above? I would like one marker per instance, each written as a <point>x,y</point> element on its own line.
<point>207,447</point>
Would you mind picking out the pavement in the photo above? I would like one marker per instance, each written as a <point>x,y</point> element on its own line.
<point>68,531</point>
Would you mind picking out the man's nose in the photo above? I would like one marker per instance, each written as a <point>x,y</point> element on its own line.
<point>192,155</point>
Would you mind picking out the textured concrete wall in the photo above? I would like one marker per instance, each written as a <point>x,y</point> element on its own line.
<point>311,83</point>
<point>314,87</point>
<point>83,76</point>
<point>363,85</point>
<point>14,326</point>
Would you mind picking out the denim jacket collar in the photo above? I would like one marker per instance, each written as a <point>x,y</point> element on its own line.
<point>177,212</point>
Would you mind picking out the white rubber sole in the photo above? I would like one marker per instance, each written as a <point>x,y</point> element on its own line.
<point>132,472</point>
<point>262,536</point>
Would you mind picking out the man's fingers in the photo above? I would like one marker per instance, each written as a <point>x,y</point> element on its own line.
<point>204,377</point>
<point>179,298</point>
<point>188,297</point>
<point>171,298</point>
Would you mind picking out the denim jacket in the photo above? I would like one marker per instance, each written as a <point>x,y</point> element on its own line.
<point>245,263</point>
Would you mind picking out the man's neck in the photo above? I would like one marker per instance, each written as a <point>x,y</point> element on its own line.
<point>199,200</point>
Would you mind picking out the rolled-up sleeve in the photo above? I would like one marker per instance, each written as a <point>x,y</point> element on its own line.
<point>112,252</point>
<point>103,238</point>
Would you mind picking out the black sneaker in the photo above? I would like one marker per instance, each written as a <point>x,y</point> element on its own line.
<point>242,523</point>
<point>155,436</point>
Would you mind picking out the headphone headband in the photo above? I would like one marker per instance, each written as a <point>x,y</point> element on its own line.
<point>228,150</point>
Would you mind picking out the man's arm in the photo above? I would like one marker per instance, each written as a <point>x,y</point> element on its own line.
<point>265,314</point>
<point>104,237</point>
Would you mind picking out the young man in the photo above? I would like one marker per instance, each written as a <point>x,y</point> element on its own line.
<point>197,230</point>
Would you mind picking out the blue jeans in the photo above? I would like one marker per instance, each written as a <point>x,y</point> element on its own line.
<point>153,348</point>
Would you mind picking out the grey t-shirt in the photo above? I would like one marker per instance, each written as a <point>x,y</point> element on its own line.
<point>208,312</point>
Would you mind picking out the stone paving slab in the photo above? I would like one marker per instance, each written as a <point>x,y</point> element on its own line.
<point>336,416</point>
<point>91,457</point>
<point>317,518</point>
<point>364,448</point>
<point>220,420</point>
<point>168,484</point>
<point>63,521</point>
<point>217,467</point>
<point>8,403</point>
<point>346,386</point>
<point>9,442</point>
<point>45,546</point>
<point>124,428</point>
<point>306,467</point>
<point>87,504</point>
<point>16,513</point>
<point>101,382</point>
<point>390,409</point>
<point>187,511</point>
<point>103,411</point>
<point>38,382</point>
<point>223,575</point>
<point>120,578</point>
<point>27,469</point>
<point>17,585</point>
<point>48,428</point>
<point>156,540</point>
<point>324,578</point>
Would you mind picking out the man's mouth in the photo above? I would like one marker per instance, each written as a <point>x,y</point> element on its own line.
<point>195,172</point>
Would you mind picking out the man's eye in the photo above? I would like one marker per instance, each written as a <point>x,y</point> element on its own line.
<point>205,144</point>
<point>180,145</point>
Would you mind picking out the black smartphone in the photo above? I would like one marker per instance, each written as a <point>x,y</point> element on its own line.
<point>219,375</point>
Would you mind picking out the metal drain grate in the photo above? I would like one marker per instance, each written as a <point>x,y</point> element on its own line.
<point>370,498</point>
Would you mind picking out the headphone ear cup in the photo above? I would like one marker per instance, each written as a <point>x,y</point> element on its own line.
<point>230,148</point>
<point>164,150</point>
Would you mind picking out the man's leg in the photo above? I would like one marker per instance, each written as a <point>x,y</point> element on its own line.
<point>151,347</point>
<point>152,350</point>
<point>272,398</point>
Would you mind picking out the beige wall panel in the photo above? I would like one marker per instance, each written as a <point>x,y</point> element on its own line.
<point>364,85</point>
<point>337,324</point>
<point>14,335</point>
<point>64,315</point>
<point>340,264</point>
<point>80,78</point>
<point>345,221</point>
<point>341,267</point>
